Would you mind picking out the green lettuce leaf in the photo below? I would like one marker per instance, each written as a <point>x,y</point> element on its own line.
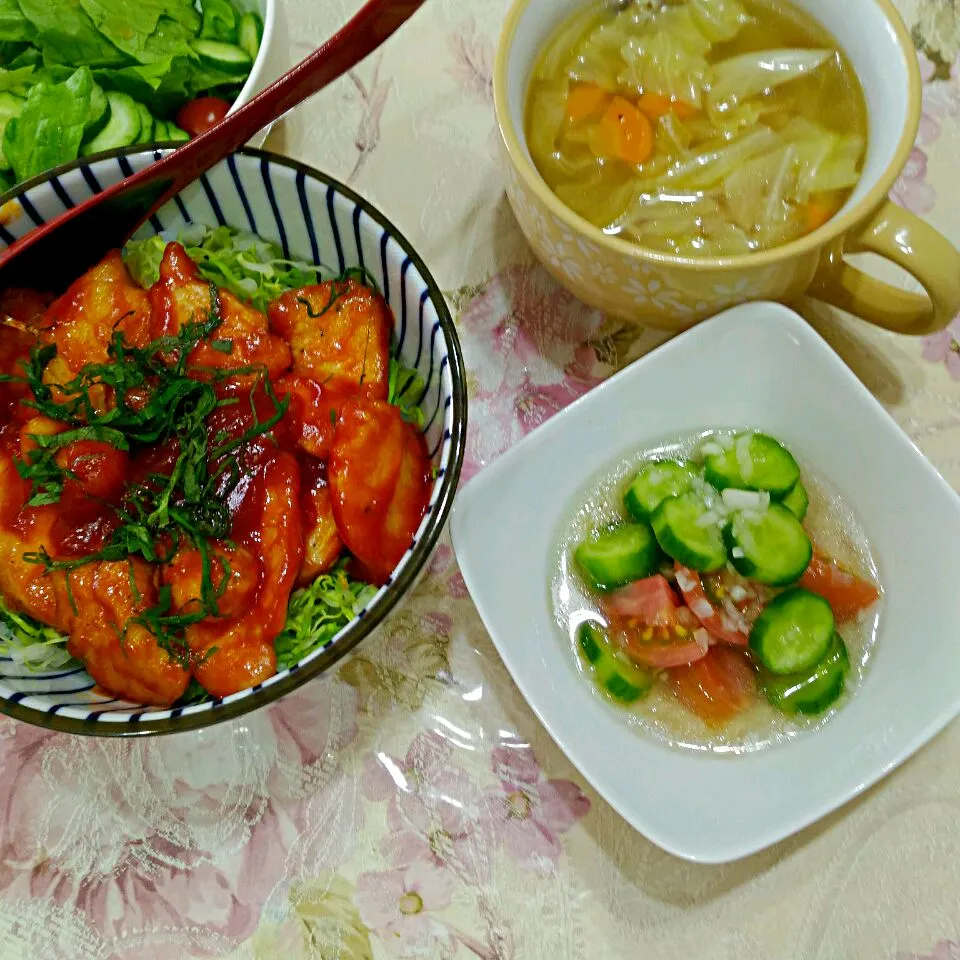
<point>49,130</point>
<point>17,81</point>
<point>66,34</point>
<point>219,20</point>
<point>145,30</point>
<point>14,26</point>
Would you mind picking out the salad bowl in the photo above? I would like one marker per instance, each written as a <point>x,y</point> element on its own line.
<point>313,218</point>
<point>231,58</point>
<point>756,367</point>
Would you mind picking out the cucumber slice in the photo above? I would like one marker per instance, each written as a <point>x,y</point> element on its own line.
<point>250,34</point>
<point>227,56</point>
<point>797,501</point>
<point>793,633</point>
<point>812,692</point>
<point>754,462</point>
<point>686,532</point>
<point>619,556</point>
<point>655,482</point>
<point>147,125</point>
<point>771,546</point>
<point>166,132</point>
<point>122,128</point>
<point>615,674</point>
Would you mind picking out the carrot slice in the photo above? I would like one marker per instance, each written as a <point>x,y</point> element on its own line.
<point>655,105</point>
<point>817,213</point>
<point>684,110</point>
<point>584,101</point>
<point>625,132</point>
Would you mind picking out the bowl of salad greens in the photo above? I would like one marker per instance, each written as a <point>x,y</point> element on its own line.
<point>82,77</point>
<point>260,228</point>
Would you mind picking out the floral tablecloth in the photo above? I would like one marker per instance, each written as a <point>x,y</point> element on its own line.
<point>409,805</point>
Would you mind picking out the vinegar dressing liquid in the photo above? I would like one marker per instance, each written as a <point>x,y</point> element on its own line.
<point>832,526</point>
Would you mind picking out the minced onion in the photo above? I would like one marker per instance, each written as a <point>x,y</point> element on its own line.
<point>758,501</point>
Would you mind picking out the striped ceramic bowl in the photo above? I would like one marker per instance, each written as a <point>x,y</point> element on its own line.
<point>312,217</point>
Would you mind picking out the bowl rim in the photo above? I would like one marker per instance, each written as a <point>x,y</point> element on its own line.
<point>514,143</point>
<point>360,627</point>
<point>252,83</point>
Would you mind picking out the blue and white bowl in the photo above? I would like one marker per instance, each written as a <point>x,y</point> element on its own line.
<point>315,218</point>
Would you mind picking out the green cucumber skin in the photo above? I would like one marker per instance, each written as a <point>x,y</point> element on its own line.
<point>663,521</point>
<point>639,556</point>
<point>752,569</point>
<point>638,500</point>
<point>723,470</point>
<point>793,610</point>
<point>812,693</point>
<point>618,679</point>
<point>797,501</point>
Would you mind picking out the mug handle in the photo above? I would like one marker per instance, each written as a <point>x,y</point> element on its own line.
<point>905,239</point>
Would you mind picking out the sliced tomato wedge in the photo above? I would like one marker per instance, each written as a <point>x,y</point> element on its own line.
<point>650,600</point>
<point>716,621</point>
<point>846,593</point>
<point>717,687</point>
<point>651,628</point>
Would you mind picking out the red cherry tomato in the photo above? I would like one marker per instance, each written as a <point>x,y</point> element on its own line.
<point>199,115</point>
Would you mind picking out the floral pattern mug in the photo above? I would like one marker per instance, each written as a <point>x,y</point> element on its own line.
<point>673,292</point>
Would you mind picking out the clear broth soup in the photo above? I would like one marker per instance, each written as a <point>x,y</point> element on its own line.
<point>834,530</point>
<point>698,127</point>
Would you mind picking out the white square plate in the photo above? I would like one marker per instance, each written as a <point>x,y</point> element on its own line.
<point>760,366</point>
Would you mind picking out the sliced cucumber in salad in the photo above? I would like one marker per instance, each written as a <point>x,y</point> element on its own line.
<point>122,127</point>
<point>740,513</point>
<point>617,676</point>
<point>250,34</point>
<point>689,532</point>
<point>754,461</point>
<point>655,482</point>
<point>227,56</point>
<point>770,545</point>
<point>793,632</point>
<point>814,691</point>
<point>797,501</point>
<point>619,556</point>
<point>147,125</point>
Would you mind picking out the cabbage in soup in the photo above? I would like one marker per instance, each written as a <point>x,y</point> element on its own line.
<point>698,127</point>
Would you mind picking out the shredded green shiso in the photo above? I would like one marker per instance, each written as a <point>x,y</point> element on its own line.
<point>256,271</point>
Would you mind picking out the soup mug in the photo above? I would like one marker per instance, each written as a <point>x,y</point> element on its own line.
<point>628,280</point>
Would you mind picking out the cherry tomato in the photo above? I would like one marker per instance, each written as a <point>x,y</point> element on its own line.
<point>717,687</point>
<point>846,593</point>
<point>646,621</point>
<point>199,115</point>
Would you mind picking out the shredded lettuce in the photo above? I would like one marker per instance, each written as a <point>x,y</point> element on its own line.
<point>318,613</point>
<point>404,391</point>
<point>243,263</point>
<point>27,641</point>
